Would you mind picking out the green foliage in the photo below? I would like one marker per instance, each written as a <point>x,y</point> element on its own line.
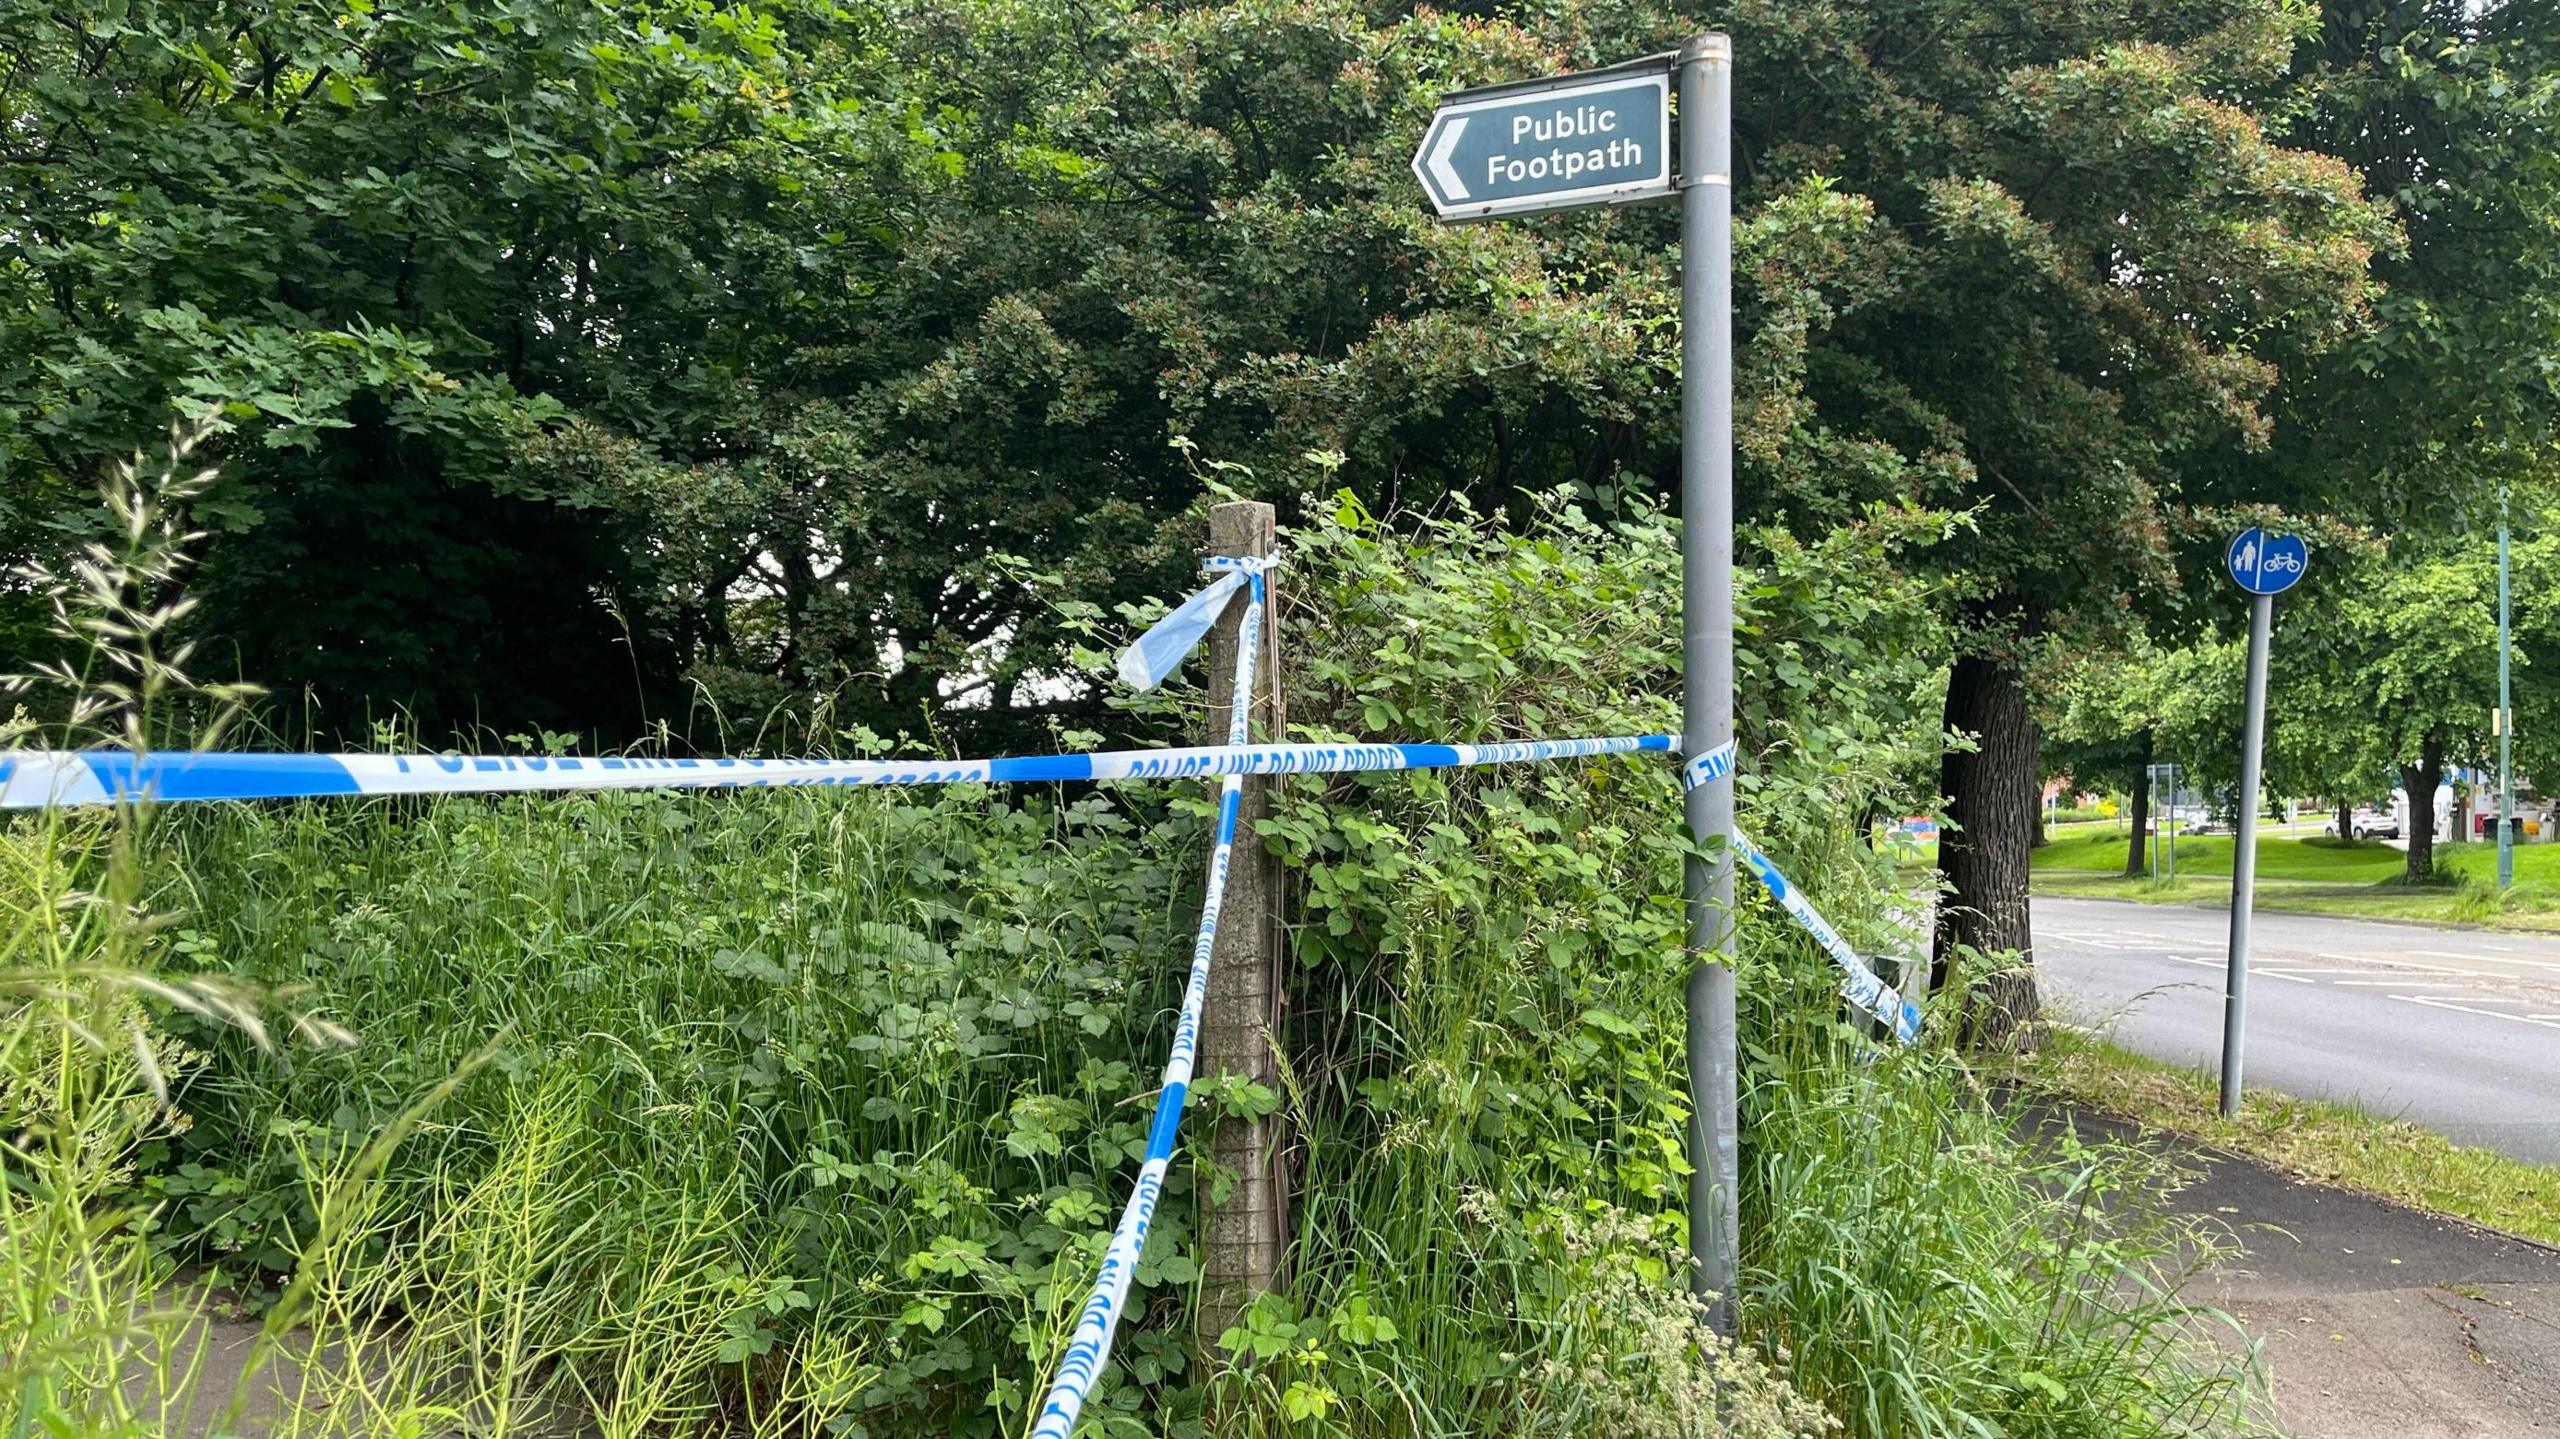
<point>1490,1067</point>
<point>387,245</point>
<point>587,358</point>
<point>2451,113</point>
<point>873,1046</point>
<point>1489,962</point>
<point>1931,1273</point>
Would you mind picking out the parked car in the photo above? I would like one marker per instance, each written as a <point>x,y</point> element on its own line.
<point>2372,824</point>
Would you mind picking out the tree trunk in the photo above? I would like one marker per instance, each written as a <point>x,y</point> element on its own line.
<point>1991,819</point>
<point>2346,822</point>
<point>2419,783</point>
<point>2135,851</point>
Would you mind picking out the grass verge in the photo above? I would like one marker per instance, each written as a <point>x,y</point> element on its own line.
<point>2320,876</point>
<point>2320,1140</point>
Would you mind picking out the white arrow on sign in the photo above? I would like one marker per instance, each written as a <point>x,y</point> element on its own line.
<point>1441,169</point>
<point>1603,138</point>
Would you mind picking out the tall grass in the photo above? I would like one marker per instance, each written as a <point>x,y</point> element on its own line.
<point>872,1052</point>
<point>88,1344</point>
<point>1931,1272</point>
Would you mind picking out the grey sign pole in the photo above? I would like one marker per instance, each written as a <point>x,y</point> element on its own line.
<point>1600,138</point>
<point>1706,649</point>
<point>2244,853</point>
<point>2263,565</point>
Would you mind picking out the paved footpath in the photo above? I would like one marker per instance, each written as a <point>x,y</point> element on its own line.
<point>2378,1322</point>
<point>2457,1030</point>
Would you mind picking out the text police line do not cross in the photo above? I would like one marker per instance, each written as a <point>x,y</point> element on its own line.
<point>1579,140</point>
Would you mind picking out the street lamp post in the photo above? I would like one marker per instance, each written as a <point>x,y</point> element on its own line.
<point>2506,715</point>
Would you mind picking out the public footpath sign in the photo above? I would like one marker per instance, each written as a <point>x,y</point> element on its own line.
<point>1559,144</point>
<point>2265,564</point>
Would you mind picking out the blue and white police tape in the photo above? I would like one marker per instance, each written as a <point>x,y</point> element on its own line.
<point>1864,990</point>
<point>1089,1346</point>
<point>43,779</point>
<point>1156,654</point>
<point>1714,764</point>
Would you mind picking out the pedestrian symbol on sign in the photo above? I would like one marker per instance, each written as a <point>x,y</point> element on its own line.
<point>2265,564</point>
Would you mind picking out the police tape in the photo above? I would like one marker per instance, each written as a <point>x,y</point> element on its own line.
<point>1863,988</point>
<point>1155,654</point>
<point>1715,764</point>
<point>39,779</point>
<point>1089,1344</point>
<point>1860,984</point>
<point>44,779</point>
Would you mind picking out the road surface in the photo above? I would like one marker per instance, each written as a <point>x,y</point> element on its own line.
<point>2456,1030</point>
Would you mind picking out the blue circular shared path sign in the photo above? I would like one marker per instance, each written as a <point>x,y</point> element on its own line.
<point>2265,564</point>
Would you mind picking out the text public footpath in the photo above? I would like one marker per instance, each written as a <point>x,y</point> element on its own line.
<point>1581,122</point>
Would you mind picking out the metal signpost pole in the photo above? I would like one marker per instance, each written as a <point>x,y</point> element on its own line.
<point>1706,649</point>
<point>2265,566</point>
<point>2244,853</point>
<point>2151,820</point>
<point>1603,137</point>
<point>2506,725</point>
<point>2169,827</point>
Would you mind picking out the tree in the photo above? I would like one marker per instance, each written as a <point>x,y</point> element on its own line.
<point>2089,245</point>
<point>2392,669</point>
<point>2452,111</point>
<point>2097,712</point>
<point>390,246</point>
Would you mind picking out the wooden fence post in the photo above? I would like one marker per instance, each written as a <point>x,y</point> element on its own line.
<point>1243,1235</point>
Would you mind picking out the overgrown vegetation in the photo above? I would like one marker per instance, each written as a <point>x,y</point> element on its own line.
<point>800,1111</point>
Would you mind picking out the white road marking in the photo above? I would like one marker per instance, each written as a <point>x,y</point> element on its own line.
<point>2524,963</point>
<point>2112,939</point>
<point>2280,974</point>
<point>2385,965</point>
<point>2485,959</point>
<point>2399,983</point>
<point>2485,1013</point>
<point>2394,962</point>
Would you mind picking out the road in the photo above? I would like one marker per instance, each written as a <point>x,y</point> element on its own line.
<point>2456,1030</point>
